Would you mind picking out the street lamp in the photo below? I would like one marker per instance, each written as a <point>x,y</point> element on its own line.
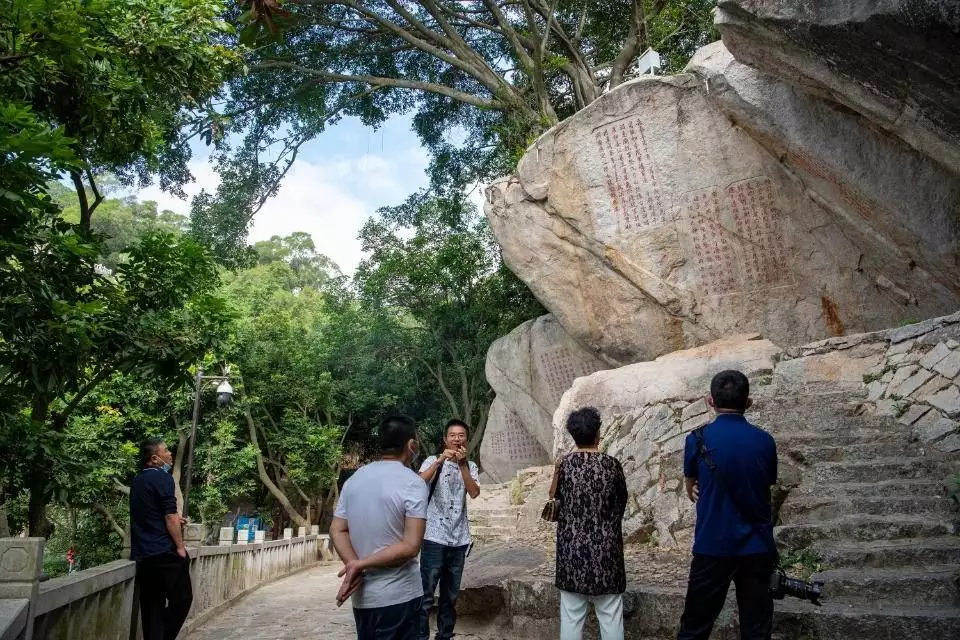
<point>224,398</point>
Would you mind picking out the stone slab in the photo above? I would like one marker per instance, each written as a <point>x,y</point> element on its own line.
<point>948,401</point>
<point>935,355</point>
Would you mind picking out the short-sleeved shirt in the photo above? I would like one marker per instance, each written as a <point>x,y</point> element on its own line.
<point>375,502</point>
<point>447,513</point>
<point>152,498</point>
<point>746,457</point>
<point>592,492</point>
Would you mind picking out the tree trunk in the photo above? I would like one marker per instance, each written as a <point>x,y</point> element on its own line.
<point>4,523</point>
<point>265,477</point>
<point>178,465</point>
<point>38,481</point>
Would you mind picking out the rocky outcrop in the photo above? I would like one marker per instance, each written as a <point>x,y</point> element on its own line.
<point>677,210</point>
<point>893,61</point>
<point>529,369</point>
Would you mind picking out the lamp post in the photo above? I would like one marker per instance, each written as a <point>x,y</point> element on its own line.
<point>224,397</point>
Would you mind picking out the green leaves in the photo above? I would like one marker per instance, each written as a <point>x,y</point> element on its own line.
<point>119,77</point>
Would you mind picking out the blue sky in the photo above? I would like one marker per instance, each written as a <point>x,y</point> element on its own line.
<point>338,182</point>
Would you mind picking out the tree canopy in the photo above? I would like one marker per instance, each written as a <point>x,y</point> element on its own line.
<point>481,78</point>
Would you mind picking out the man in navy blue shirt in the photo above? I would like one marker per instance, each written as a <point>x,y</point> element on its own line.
<point>733,539</point>
<point>156,543</point>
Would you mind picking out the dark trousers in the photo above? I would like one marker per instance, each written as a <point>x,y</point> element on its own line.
<point>710,577</point>
<point>394,622</point>
<point>443,564</point>
<point>165,595</point>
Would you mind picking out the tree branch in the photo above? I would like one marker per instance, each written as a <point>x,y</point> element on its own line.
<point>103,511</point>
<point>61,418</point>
<point>380,81</point>
<point>97,197</point>
<point>277,493</point>
<point>81,190</point>
<point>438,376</point>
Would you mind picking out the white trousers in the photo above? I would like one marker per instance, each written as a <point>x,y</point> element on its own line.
<point>573,613</point>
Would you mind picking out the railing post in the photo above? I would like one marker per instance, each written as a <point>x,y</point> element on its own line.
<point>258,538</point>
<point>288,536</point>
<point>226,536</point>
<point>21,560</point>
<point>194,534</point>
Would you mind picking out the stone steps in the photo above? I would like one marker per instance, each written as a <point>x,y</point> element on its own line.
<point>653,613</point>
<point>943,550</point>
<point>494,519</point>
<point>875,470</point>
<point>485,534</point>
<point>861,528</point>
<point>937,585</point>
<point>922,487</point>
<point>817,509</point>
<point>840,438</point>
<point>811,453</point>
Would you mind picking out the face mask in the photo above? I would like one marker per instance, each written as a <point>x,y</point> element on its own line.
<point>165,466</point>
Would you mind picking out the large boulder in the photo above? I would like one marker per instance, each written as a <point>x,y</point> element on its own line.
<point>896,62</point>
<point>677,210</point>
<point>529,369</point>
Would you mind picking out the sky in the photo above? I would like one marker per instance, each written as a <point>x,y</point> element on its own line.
<point>338,182</point>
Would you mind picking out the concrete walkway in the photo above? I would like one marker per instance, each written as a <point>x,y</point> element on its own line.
<point>300,607</point>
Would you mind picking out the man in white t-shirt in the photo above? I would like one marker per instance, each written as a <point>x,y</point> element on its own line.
<point>377,529</point>
<point>451,478</point>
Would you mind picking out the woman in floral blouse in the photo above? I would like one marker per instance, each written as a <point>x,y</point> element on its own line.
<point>592,494</point>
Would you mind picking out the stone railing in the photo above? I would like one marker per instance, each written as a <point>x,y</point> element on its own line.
<point>101,602</point>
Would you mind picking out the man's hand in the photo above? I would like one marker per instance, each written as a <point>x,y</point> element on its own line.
<point>182,552</point>
<point>693,488</point>
<point>352,574</point>
<point>461,455</point>
<point>448,454</point>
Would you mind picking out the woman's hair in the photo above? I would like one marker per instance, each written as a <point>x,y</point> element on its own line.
<point>584,426</point>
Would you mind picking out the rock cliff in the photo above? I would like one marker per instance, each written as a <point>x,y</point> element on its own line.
<point>800,180</point>
<point>529,369</point>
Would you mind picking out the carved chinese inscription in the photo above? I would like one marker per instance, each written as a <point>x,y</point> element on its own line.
<point>737,239</point>
<point>558,370</point>
<point>713,251</point>
<point>631,180</point>
<point>859,203</point>
<point>761,238</point>
<point>513,442</point>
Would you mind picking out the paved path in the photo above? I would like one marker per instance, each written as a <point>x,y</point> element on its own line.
<point>300,607</point>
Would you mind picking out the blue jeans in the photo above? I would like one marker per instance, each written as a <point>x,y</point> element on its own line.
<point>443,564</point>
<point>395,622</point>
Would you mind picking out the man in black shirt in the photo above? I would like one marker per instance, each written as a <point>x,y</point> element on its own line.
<point>156,543</point>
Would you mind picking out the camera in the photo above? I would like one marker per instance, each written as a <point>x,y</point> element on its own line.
<point>783,585</point>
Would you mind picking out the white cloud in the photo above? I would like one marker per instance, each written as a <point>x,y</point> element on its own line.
<point>329,200</point>
<point>309,200</point>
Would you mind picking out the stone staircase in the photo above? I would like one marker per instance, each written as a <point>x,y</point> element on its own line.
<point>491,515</point>
<point>509,512</point>
<point>870,508</point>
